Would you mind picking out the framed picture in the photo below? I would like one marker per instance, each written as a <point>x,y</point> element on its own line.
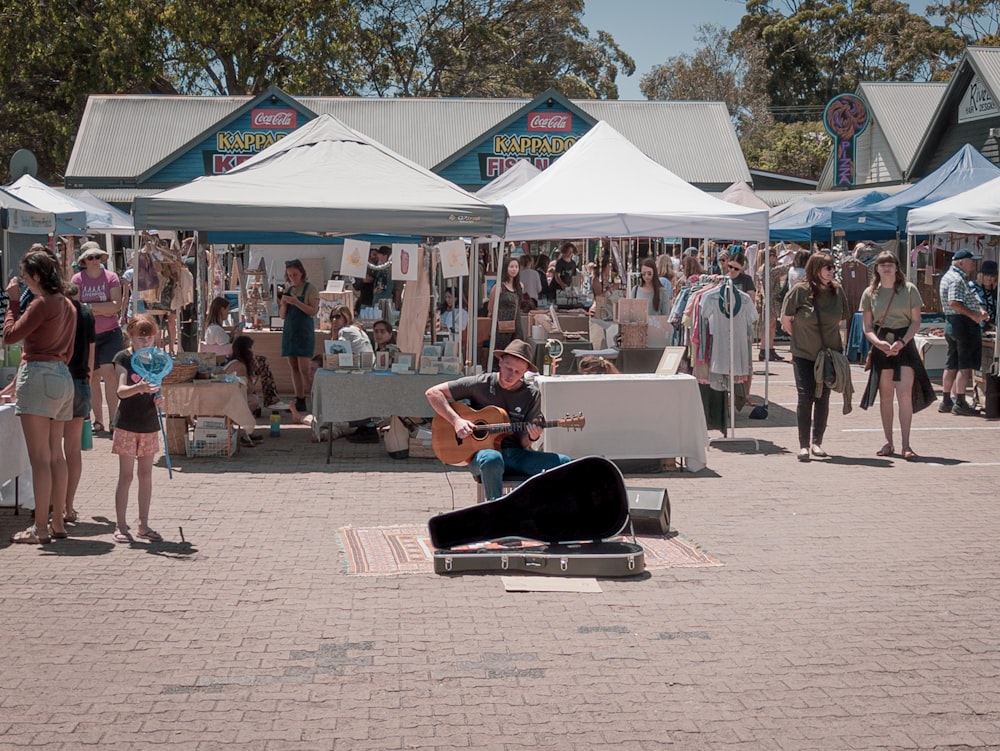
<point>336,347</point>
<point>383,361</point>
<point>405,359</point>
<point>450,366</point>
<point>429,367</point>
<point>335,285</point>
<point>670,361</point>
<point>404,262</point>
<point>431,351</point>
<point>355,258</point>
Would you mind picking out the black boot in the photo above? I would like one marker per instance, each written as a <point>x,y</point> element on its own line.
<point>300,403</point>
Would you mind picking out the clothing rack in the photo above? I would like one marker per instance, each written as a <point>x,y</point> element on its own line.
<point>730,298</point>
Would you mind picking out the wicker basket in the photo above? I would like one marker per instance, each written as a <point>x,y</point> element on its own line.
<point>182,373</point>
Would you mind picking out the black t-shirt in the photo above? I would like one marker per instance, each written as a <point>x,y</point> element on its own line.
<point>523,404</point>
<point>79,363</point>
<point>137,414</point>
<point>566,270</point>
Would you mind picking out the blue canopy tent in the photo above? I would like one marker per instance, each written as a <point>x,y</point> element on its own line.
<point>966,169</point>
<point>806,222</point>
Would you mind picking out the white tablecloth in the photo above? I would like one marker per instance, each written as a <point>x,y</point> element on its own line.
<point>13,459</point>
<point>209,398</point>
<point>636,416</point>
<point>340,396</point>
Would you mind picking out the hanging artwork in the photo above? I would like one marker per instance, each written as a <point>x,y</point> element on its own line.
<point>454,261</point>
<point>404,262</point>
<point>355,260</point>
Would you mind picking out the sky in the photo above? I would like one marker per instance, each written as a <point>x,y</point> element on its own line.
<point>653,30</point>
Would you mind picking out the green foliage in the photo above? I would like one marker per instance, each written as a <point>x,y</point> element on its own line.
<point>55,53</point>
<point>799,149</point>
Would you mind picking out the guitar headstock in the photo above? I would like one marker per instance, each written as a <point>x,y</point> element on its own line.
<point>573,422</point>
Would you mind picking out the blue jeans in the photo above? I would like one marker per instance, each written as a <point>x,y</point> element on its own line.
<point>490,465</point>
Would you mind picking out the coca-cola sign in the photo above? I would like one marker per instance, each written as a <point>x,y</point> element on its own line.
<point>261,119</point>
<point>550,122</point>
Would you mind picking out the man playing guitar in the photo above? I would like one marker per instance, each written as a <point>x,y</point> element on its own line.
<point>508,390</point>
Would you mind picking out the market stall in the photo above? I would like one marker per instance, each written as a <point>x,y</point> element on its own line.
<point>15,468</point>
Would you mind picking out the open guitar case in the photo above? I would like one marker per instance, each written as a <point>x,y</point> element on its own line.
<point>572,510</point>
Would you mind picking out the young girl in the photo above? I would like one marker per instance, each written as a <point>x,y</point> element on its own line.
<point>137,427</point>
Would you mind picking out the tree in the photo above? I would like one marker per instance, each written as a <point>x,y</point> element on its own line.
<point>53,54</point>
<point>821,48</point>
<point>487,48</point>
<point>228,47</point>
<point>976,21</point>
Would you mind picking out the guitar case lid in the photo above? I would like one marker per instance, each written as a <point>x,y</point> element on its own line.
<point>580,501</point>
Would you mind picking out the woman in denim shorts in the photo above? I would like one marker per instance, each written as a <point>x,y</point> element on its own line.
<point>47,327</point>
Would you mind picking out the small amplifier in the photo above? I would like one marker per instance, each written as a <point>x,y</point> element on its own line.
<point>649,510</point>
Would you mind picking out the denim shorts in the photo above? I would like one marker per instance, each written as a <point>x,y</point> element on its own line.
<point>106,346</point>
<point>46,389</point>
<point>81,398</point>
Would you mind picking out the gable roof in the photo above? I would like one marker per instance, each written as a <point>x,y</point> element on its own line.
<point>976,61</point>
<point>899,115</point>
<point>695,140</point>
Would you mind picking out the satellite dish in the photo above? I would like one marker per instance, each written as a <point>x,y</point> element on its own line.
<point>23,162</point>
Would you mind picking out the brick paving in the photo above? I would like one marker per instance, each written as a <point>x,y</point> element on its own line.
<point>856,609</point>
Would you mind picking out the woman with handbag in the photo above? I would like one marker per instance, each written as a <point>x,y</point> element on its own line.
<point>890,307</point>
<point>811,315</point>
<point>506,297</point>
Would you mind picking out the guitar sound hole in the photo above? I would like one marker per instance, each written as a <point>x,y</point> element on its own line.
<point>480,433</point>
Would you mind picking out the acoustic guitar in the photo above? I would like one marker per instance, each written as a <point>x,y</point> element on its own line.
<point>492,425</point>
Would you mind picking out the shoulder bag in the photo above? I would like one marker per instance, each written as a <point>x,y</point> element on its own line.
<point>877,326</point>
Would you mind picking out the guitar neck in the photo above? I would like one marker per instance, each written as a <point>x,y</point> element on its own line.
<point>515,427</point>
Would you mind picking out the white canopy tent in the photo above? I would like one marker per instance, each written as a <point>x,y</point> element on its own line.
<point>325,178</point>
<point>522,172</point>
<point>41,195</point>
<point>973,212</point>
<point>606,187</point>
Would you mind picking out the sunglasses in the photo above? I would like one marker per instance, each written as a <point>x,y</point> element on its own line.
<point>829,267</point>
<point>335,316</point>
<point>734,267</point>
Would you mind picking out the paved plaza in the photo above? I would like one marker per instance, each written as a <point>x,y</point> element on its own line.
<point>856,607</point>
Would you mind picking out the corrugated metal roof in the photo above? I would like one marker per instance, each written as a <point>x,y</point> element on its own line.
<point>122,136</point>
<point>903,110</point>
<point>986,61</point>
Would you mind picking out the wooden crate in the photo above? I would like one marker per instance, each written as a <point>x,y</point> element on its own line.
<point>633,335</point>
<point>177,433</point>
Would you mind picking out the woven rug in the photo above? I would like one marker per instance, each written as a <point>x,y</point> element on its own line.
<point>381,551</point>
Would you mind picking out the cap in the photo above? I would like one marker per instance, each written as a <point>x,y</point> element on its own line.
<point>965,253</point>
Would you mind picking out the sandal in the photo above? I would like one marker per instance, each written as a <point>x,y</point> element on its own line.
<point>909,455</point>
<point>72,517</point>
<point>98,427</point>
<point>122,536</point>
<point>30,536</point>
<point>151,534</point>
<point>886,450</point>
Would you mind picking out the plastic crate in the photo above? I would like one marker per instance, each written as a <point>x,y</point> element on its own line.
<point>222,444</point>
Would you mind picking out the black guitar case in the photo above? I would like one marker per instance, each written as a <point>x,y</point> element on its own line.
<point>579,501</point>
<point>574,508</point>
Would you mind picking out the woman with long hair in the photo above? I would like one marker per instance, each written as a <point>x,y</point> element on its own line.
<point>298,305</point>
<point>216,334</point>
<point>342,327</point>
<point>811,315</point>
<point>244,365</point>
<point>44,392</point>
<point>650,289</point>
<point>506,297</point>
<point>890,309</point>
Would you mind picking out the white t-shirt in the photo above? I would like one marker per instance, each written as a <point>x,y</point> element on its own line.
<point>216,340</point>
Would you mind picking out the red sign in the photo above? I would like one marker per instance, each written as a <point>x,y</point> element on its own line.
<point>268,118</point>
<point>550,122</point>
<point>222,163</point>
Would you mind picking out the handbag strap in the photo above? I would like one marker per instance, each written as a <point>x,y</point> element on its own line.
<point>885,315</point>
